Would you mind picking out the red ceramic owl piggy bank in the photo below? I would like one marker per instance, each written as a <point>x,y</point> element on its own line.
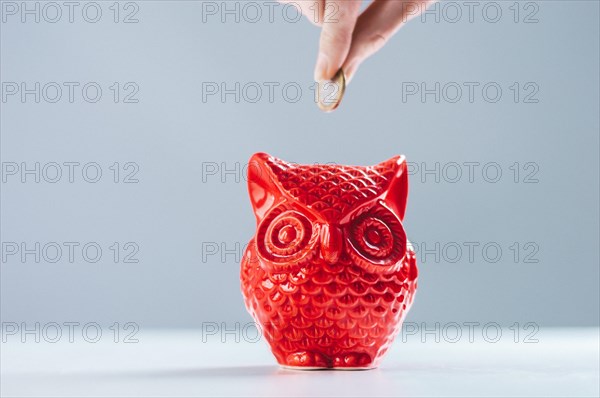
<point>329,275</point>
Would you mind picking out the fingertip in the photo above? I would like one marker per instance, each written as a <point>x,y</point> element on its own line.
<point>322,68</point>
<point>325,69</point>
<point>350,71</point>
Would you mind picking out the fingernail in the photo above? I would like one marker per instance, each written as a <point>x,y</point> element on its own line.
<point>321,68</point>
<point>349,71</point>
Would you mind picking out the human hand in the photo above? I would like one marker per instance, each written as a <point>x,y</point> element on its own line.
<point>349,37</point>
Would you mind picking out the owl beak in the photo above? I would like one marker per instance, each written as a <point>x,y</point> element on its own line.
<point>331,243</point>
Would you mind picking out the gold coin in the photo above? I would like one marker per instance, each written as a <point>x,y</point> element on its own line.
<point>330,92</point>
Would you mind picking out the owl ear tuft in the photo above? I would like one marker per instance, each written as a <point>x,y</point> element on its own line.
<point>397,191</point>
<point>262,186</point>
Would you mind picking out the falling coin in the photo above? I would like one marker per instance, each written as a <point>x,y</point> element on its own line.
<point>330,92</point>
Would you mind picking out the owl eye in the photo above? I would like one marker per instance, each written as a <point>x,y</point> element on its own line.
<point>286,237</point>
<point>377,237</point>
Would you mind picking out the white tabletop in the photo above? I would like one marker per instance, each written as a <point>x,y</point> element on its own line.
<point>564,362</point>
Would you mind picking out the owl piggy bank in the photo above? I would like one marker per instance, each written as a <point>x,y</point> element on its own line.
<point>329,275</point>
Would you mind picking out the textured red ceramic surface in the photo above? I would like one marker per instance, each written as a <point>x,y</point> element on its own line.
<point>329,275</point>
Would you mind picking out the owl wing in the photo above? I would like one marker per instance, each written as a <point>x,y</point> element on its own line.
<point>248,273</point>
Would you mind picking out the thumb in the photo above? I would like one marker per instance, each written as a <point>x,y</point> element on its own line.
<point>339,19</point>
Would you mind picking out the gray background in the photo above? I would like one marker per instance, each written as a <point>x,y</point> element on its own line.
<point>171,133</point>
